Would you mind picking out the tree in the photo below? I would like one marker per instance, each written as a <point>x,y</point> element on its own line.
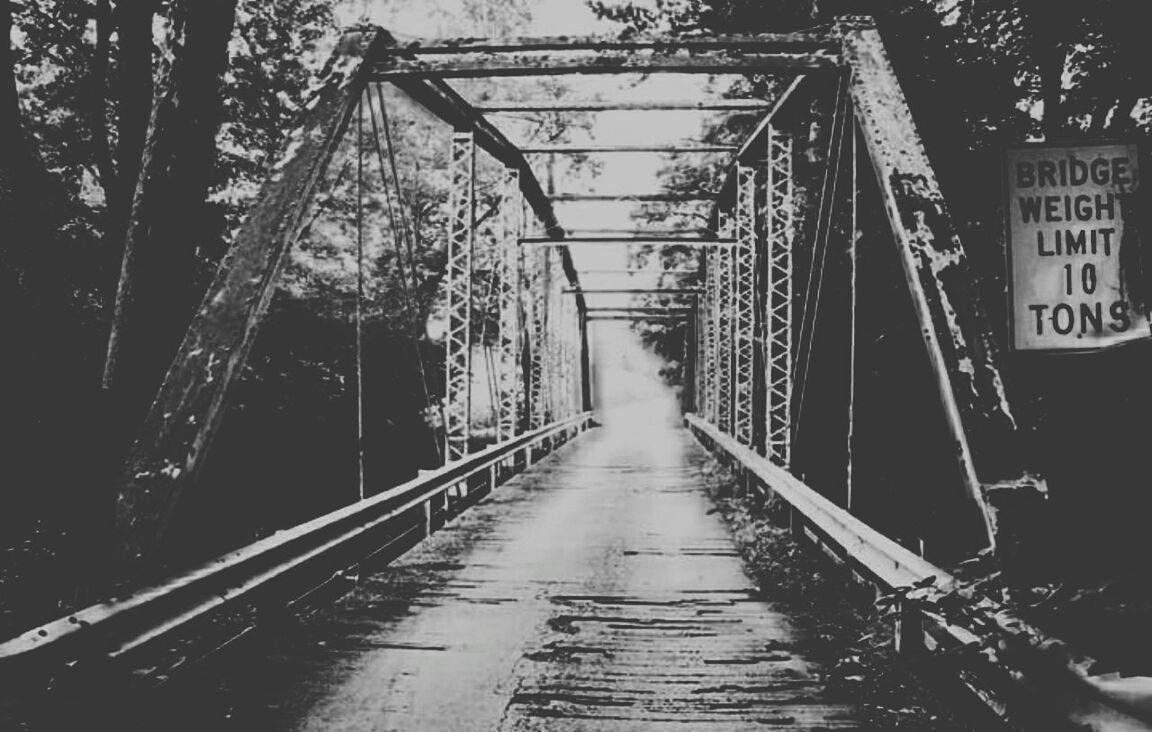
<point>158,289</point>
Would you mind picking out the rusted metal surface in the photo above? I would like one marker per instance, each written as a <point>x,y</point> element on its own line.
<point>727,105</point>
<point>801,41</point>
<point>955,328</point>
<point>180,426</point>
<point>588,149</point>
<point>672,61</point>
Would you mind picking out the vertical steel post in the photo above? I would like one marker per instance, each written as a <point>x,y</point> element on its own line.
<point>854,193</point>
<point>555,377</point>
<point>540,289</point>
<point>458,356</point>
<point>724,322</point>
<point>508,236</point>
<point>744,293</point>
<point>778,370</point>
<point>711,363</point>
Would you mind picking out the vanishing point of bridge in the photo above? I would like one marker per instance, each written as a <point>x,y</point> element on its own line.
<point>591,588</point>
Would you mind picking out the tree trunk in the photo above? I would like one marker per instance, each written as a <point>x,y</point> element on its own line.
<point>133,104</point>
<point>97,95</point>
<point>1049,25</point>
<point>156,296</point>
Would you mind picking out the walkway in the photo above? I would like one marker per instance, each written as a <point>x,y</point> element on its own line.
<point>598,591</point>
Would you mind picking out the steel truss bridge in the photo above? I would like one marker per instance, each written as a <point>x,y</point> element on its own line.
<point>750,318</point>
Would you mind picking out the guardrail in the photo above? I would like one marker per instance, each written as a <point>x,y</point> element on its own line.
<point>1043,670</point>
<point>287,564</point>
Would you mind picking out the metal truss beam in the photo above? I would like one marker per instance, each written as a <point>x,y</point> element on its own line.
<point>636,197</point>
<point>752,147</point>
<point>727,105</point>
<point>589,149</point>
<point>960,343</point>
<point>711,334</point>
<point>442,100</point>
<point>744,316</point>
<point>724,323</point>
<point>797,42</point>
<point>511,385</point>
<point>537,276</point>
<point>634,290</point>
<point>182,423</point>
<point>635,316</point>
<point>458,354</point>
<point>642,272</point>
<point>778,363</point>
<point>673,310</point>
<point>645,240</point>
<point>700,232</point>
<point>486,65</point>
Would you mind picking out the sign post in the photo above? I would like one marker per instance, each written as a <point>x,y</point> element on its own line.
<point>1065,226</point>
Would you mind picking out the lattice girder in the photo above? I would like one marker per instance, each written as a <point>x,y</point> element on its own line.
<point>778,369</point>
<point>744,303</point>
<point>724,325</point>
<point>461,238</point>
<point>510,226</point>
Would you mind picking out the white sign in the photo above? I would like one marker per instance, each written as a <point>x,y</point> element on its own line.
<point>1065,226</point>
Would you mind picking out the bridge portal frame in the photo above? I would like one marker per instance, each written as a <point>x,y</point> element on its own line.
<point>179,429</point>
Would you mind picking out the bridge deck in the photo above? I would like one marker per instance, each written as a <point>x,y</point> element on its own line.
<point>597,591</point>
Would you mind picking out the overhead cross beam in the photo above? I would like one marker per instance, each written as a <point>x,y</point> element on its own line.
<point>593,149</point>
<point>592,318</point>
<point>591,55</point>
<point>808,41</point>
<point>646,240</point>
<point>640,309</point>
<point>605,62</point>
<point>727,105</point>
<point>634,290</point>
<point>636,197</point>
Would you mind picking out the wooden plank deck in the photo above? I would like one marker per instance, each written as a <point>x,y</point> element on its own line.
<point>598,591</point>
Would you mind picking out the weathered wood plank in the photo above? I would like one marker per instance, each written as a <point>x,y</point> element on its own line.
<point>183,419</point>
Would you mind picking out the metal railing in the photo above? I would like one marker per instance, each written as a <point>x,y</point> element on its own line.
<point>286,565</point>
<point>1044,670</point>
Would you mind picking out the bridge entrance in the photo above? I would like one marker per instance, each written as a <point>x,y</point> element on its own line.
<point>773,294</point>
